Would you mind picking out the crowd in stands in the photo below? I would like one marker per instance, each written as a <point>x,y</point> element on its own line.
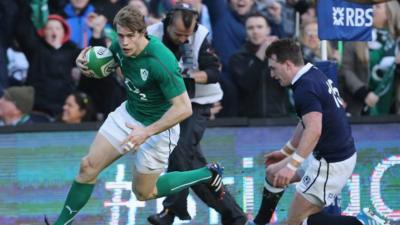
<point>40,40</point>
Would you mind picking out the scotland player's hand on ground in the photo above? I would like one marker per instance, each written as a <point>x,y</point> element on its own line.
<point>137,137</point>
<point>273,157</point>
<point>81,62</point>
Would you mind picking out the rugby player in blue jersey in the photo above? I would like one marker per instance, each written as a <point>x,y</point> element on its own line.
<point>320,154</point>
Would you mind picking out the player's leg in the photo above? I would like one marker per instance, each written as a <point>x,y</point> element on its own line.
<point>175,204</point>
<point>143,185</point>
<point>174,182</point>
<point>188,156</point>
<point>230,211</point>
<point>271,195</point>
<point>181,159</point>
<point>105,149</point>
<point>152,157</point>
<point>329,219</point>
<point>101,154</point>
<point>269,201</point>
<point>320,184</point>
<point>302,211</point>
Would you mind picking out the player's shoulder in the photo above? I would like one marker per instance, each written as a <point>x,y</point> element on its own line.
<point>313,77</point>
<point>155,44</point>
<point>114,46</point>
<point>158,51</point>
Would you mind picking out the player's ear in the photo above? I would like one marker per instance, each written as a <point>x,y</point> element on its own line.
<point>288,64</point>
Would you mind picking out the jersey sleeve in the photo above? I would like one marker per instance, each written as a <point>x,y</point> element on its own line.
<point>307,99</point>
<point>167,74</point>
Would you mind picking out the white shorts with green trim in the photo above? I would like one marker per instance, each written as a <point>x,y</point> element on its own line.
<point>152,156</point>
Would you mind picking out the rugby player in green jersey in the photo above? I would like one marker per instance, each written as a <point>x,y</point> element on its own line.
<point>146,124</point>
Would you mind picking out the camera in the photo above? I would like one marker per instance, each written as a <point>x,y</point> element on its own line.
<point>188,67</point>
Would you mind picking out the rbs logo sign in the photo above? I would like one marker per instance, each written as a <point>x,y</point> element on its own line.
<point>355,17</point>
<point>342,20</point>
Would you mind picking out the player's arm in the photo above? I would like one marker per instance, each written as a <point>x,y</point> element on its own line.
<point>181,109</point>
<point>287,150</point>
<point>309,137</point>
<point>291,145</point>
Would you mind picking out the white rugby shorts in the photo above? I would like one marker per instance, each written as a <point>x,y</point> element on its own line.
<point>152,156</point>
<point>323,181</point>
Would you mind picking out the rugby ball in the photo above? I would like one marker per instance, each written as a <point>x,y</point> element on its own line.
<point>100,61</point>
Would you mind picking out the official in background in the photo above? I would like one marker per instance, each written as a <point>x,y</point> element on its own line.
<point>187,39</point>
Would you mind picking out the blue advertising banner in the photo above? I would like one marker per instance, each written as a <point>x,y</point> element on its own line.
<point>342,20</point>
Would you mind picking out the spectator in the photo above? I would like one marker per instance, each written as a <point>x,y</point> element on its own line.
<point>353,78</point>
<point>382,60</point>
<point>259,94</point>
<point>397,98</point>
<point>394,28</point>
<point>57,6</point>
<point>78,108</point>
<point>108,8</point>
<point>16,105</point>
<point>51,58</point>
<point>8,12</point>
<point>229,34</point>
<point>309,15</point>
<point>227,19</point>
<point>109,92</point>
<point>77,14</point>
<point>367,72</point>
<point>311,44</point>
<point>17,65</point>
<point>273,12</point>
<point>282,15</point>
<point>143,8</point>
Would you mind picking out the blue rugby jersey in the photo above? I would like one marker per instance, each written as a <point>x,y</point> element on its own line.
<point>314,92</point>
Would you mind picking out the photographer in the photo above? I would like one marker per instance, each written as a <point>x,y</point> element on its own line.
<point>187,39</point>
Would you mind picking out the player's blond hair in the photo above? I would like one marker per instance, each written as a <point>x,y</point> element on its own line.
<point>130,18</point>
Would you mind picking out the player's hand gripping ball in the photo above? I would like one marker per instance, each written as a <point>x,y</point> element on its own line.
<point>100,61</point>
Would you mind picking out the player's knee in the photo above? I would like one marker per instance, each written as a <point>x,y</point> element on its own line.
<point>141,194</point>
<point>294,221</point>
<point>87,169</point>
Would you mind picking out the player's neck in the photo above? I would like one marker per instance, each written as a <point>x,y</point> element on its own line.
<point>143,43</point>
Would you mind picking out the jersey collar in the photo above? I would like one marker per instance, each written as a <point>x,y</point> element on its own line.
<point>301,72</point>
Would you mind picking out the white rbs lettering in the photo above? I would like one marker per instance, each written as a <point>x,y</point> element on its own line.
<point>352,17</point>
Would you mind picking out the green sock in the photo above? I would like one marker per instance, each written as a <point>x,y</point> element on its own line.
<point>174,182</point>
<point>78,196</point>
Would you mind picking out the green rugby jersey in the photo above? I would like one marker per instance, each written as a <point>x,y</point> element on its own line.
<point>151,79</point>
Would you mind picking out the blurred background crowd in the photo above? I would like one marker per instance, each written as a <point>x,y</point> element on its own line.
<point>40,39</point>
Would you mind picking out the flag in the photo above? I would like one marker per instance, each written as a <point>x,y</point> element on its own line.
<point>346,21</point>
